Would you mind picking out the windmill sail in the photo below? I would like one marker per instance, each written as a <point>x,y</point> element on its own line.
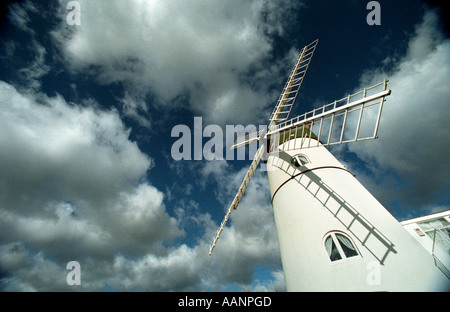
<point>290,91</point>
<point>288,95</point>
<point>280,113</point>
<point>353,118</point>
<point>239,195</point>
<point>248,139</point>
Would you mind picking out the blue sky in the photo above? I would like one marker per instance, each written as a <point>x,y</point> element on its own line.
<point>86,114</point>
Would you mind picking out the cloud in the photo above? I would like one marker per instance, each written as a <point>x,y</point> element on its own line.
<point>64,150</point>
<point>31,272</point>
<point>413,129</point>
<point>247,244</point>
<point>214,53</point>
<point>19,14</point>
<point>73,188</point>
<point>31,74</point>
<point>73,184</point>
<point>249,240</point>
<point>178,270</point>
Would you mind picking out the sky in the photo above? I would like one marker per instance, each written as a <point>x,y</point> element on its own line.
<point>87,111</point>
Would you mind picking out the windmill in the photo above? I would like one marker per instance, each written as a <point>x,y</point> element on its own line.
<point>333,234</point>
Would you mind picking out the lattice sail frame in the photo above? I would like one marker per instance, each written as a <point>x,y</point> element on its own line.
<point>342,121</point>
<point>290,91</point>
<point>238,197</point>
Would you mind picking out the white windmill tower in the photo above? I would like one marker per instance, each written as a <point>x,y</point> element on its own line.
<point>333,234</point>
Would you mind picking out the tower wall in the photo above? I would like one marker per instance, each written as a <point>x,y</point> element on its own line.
<point>320,198</point>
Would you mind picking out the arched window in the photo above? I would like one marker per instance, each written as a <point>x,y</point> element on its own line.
<point>339,246</point>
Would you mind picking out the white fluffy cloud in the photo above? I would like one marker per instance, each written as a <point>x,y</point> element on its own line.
<point>63,149</point>
<point>413,129</point>
<point>250,237</point>
<point>211,52</point>
<point>71,186</point>
<point>72,189</point>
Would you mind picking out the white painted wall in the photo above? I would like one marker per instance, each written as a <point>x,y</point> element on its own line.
<point>324,198</point>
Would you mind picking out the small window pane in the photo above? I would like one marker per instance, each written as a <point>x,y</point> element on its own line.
<point>332,250</point>
<point>303,159</point>
<point>347,246</point>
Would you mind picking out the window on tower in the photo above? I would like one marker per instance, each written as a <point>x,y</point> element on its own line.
<point>339,246</point>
